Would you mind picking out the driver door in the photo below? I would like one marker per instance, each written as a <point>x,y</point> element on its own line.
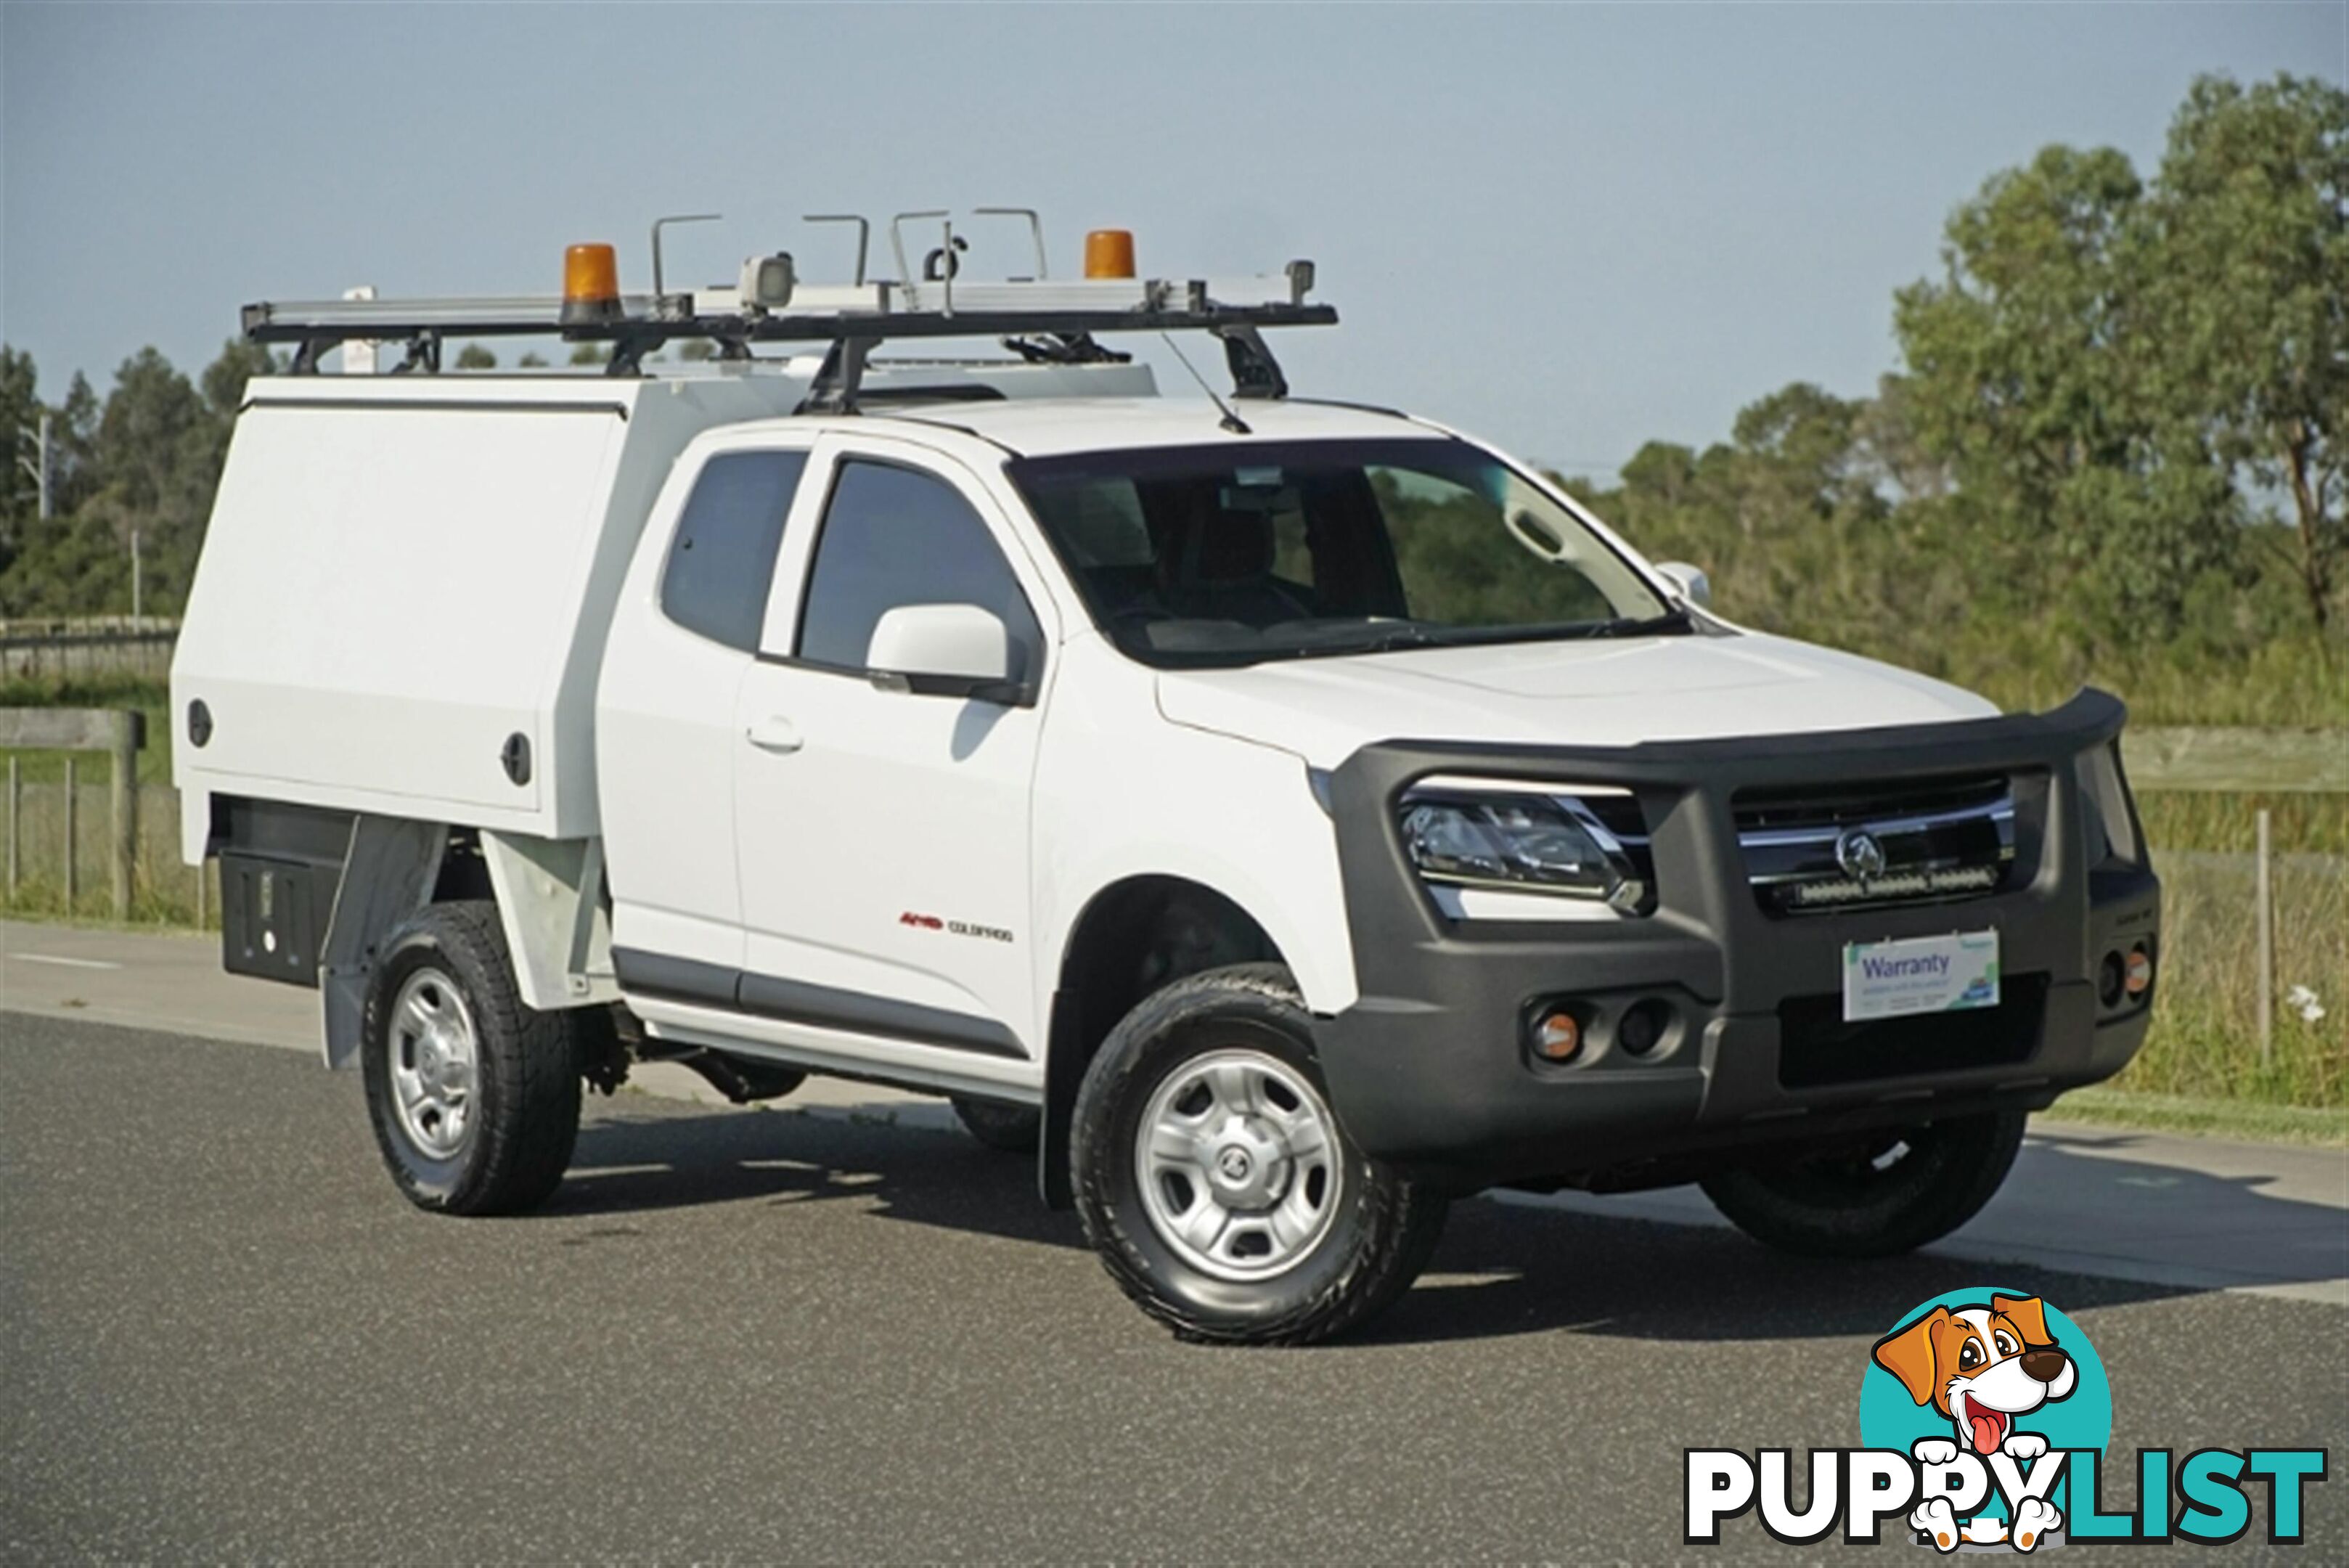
<point>883,835</point>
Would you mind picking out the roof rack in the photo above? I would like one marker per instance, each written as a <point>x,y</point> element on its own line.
<point>1042,321</point>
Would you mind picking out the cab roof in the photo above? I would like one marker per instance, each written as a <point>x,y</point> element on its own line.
<point>1054,427</point>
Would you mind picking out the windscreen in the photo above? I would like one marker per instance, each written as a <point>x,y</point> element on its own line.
<point>1245,551</point>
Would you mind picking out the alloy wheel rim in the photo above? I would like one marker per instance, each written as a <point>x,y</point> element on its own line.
<point>1238,1163</point>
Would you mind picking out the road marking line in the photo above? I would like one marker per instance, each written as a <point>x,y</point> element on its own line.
<point>63,962</point>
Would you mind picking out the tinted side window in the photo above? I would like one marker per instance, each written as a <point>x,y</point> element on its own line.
<point>892,537</point>
<point>723,557</point>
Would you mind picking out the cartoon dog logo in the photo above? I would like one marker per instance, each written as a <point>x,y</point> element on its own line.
<point>1982,1366</point>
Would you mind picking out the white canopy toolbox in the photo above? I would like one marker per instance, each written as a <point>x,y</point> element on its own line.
<point>406,586</point>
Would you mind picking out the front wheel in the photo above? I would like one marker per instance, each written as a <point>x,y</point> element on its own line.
<point>1217,1185</point>
<point>1886,1195</point>
<point>474,1097</point>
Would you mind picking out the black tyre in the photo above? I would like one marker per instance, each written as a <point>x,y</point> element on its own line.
<point>1014,1129</point>
<point>1887,1195</point>
<point>1215,1183</point>
<point>474,1097</point>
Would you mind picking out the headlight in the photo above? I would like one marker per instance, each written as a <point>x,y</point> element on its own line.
<point>1524,843</point>
<point>2108,813</point>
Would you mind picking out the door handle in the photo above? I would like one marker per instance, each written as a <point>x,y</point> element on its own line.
<point>774,734</point>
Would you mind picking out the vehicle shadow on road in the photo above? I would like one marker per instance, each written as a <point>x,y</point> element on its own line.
<point>643,1160</point>
<point>1503,1269</point>
<point>1509,1270</point>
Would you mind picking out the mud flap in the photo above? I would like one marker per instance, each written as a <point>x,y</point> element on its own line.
<point>388,877</point>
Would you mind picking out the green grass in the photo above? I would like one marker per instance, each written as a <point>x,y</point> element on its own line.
<point>2298,824</point>
<point>2201,1043</point>
<point>2325,1128</point>
<point>2288,682</point>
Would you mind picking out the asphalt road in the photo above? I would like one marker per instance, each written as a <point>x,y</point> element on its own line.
<point>755,1335</point>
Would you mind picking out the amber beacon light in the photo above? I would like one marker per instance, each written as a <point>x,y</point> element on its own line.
<point>1109,252</point>
<point>590,285</point>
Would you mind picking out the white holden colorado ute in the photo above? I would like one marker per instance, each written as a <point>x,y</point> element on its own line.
<point>1282,818</point>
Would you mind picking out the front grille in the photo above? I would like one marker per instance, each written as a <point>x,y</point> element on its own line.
<point>1813,850</point>
<point>1815,1046</point>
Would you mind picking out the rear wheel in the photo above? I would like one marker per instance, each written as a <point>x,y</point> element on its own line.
<point>1014,1129</point>
<point>1214,1182</point>
<point>474,1097</point>
<point>1888,1194</point>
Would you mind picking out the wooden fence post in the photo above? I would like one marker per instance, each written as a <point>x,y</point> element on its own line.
<point>2262,889</point>
<point>73,804</point>
<point>119,733</point>
<point>124,799</point>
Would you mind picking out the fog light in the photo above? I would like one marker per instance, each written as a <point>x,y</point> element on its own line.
<point>1558,1035</point>
<point>1642,1027</point>
<point>2140,971</point>
<point>2111,976</point>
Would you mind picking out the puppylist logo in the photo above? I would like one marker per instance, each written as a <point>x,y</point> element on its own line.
<point>1983,1419</point>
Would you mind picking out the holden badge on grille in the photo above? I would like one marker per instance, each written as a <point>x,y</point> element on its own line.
<point>1861,854</point>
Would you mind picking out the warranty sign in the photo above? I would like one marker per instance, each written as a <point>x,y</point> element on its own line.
<point>1919,974</point>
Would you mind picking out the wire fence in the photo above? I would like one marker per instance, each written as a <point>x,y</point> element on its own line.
<point>51,875</point>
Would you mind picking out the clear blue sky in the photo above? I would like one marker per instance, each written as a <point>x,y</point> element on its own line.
<point>1567,228</point>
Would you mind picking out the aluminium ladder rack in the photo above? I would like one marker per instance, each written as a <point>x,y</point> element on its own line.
<point>1054,321</point>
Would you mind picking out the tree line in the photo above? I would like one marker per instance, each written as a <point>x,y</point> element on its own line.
<point>2114,449</point>
<point>145,459</point>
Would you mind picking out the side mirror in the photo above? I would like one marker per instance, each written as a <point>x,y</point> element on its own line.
<point>945,651</point>
<point>1693,585</point>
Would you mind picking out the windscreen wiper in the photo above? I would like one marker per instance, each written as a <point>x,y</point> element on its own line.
<point>1414,634</point>
<point>1408,635</point>
<point>1677,619</point>
<point>1370,639</point>
<point>1419,636</point>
